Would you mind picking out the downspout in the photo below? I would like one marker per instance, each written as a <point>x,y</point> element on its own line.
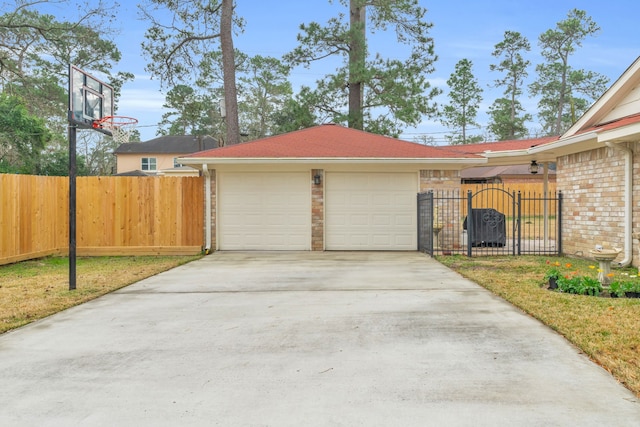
<point>628,201</point>
<point>207,208</point>
<point>545,191</point>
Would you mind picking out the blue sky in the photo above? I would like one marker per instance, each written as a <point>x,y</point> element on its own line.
<point>462,29</point>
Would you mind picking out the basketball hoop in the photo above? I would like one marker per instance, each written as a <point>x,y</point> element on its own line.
<point>120,127</point>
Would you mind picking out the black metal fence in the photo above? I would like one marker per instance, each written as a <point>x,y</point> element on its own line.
<point>489,221</point>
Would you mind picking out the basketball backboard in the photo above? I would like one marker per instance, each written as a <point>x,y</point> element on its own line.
<point>89,98</point>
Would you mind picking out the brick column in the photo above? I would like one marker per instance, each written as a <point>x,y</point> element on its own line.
<point>447,211</point>
<point>317,212</point>
<point>439,180</point>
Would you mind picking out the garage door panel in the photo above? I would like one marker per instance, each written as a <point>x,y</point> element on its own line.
<point>381,220</point>
<point>371,211</point>
<point>264,211</point>
<point>356,200</point>
<point>337,219</point>
<point>407,220</point>
<point>358,220</point>
<point>405,200</point>
<point>403,240</point>
<point>384,239</point>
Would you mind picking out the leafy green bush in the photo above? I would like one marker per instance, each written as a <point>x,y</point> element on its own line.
<point>579,285</point>
<point>591,286</point>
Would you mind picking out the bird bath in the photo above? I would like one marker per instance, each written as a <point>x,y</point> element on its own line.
<point>437,228</point>
<point>604,258</point>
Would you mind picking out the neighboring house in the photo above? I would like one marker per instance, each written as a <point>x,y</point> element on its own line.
<point>159,156</point>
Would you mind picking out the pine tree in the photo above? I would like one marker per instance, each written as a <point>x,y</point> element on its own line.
<point>465,96</point>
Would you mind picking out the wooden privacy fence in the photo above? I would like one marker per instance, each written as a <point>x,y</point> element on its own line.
<point>502,204</point>
<point>115,216</point>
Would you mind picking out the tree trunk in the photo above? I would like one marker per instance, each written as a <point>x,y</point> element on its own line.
<point>357,52</point>
<point>561,97</point>
<point>229,73</point>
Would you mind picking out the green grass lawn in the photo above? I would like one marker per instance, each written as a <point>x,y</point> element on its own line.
<point>31,290</point>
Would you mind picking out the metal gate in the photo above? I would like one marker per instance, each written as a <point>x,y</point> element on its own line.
<point>489,221</point>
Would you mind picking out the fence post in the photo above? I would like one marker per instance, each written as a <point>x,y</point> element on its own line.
<point>469,223</point>
<point>430,234</point>
<point>559,215</point>
<point>518,222</point>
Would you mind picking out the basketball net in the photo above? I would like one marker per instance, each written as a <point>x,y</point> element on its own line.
<point>120,127</point>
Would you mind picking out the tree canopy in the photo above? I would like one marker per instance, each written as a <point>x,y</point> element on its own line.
<point>507,114</point>
<point>23,136</point>
<point>465,96</point>
<point>177,46</point>
<point>36,49</point>
<point>558,84</point>
<point>189,47</point>
<point>374,93</point>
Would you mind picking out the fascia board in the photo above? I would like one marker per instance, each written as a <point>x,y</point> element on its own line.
<point>630,133</point>
<point>347,160</point>
<point>509,153</point>
<point>513,157</point>
<point>564,146</point>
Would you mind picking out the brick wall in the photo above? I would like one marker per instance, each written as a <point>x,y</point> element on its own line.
<point>439,180</point>
<point>592,184</point>
<point>447,214</point>
<point>214,205</point>
<point>317,212</point>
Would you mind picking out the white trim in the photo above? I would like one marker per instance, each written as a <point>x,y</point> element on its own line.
<point>628,133</point>
<point>609,98</point>
<point>325,160</point>
<point>207,197</point>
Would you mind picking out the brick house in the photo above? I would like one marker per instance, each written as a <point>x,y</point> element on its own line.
<point>597,170</point>
<point>597,166</point>
<point>333,188</point>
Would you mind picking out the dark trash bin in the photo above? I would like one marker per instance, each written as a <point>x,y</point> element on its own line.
<point>488,229</point>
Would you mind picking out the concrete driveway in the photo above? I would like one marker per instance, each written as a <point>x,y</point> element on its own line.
<point>302,339</point>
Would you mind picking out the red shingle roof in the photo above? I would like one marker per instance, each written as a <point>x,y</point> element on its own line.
<point>331,141</point>
<point>615,124</point>
<point>514,144</point>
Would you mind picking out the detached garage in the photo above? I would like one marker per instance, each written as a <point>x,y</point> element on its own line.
<point>323,188</point>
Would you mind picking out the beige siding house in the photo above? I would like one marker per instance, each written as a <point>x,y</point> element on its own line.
<point>159,156</point>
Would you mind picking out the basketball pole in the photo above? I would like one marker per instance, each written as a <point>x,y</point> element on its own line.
<point>72,203</point>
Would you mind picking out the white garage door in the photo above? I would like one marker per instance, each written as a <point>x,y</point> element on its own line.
<point>371,211</point>
<point>264,211</point>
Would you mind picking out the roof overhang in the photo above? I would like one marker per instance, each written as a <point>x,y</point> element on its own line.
<point>565,146</point>
<point>456,163</point>
<point>512,157</point>
<point>628,133</point>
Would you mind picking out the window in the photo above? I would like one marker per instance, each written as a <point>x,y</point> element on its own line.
<point>149,164</point>
<point>175,163</point>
